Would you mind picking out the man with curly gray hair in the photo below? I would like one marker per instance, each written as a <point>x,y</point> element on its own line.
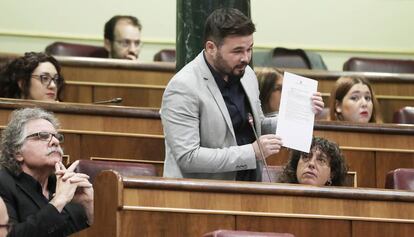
<point>42,197</point>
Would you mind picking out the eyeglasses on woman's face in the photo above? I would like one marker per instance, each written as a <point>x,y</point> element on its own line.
<point>46,79</point>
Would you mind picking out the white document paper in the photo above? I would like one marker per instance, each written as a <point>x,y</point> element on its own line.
<point>296,118</point>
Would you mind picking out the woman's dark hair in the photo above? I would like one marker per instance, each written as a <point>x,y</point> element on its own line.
<point>21,69</point>
<point>341,88</point>
<point>267,78</point>
<point>331,150</point>
<point>224,22</point>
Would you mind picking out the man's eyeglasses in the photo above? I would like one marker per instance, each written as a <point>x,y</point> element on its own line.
<point>47,136</point>
<point>7,226</point>
<point>320,160</point>
<point>127,43</point>
<point>46,79</point>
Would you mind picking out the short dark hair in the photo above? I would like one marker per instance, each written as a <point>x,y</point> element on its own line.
<point>110,25</point>
<point>224,22</point>
<point>331,149</point>
<point>21,69</point>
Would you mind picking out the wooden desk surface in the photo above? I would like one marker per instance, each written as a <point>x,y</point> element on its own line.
<point>158,73</point>
<point>91,117</point>
<point>184,207</point>
<point>129,133</point>
<point>394,90</point>
<point>146,95</point>
<point>115,70</point>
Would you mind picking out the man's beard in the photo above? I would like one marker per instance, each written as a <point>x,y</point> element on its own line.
<point>223,68</point>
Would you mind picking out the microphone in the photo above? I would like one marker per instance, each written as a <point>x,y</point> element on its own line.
<point>250,118</point>
<point>111,101</point>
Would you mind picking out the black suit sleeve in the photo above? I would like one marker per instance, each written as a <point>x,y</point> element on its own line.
<point>46,221</point>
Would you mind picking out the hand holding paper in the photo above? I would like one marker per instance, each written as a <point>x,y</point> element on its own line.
<point>270,144</point>
<point>317,103</point>
<point>298,105</point>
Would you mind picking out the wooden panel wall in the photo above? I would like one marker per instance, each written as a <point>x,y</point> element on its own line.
<point>151,96</point>
<point>181,207</point>
<point>371,151</point>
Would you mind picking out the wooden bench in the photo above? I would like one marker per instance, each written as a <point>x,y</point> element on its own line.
<point>115,71</point>
<point>91,79</point>
<point>370,150</point>
<point>89,117</point>
<point>371,159</point>
<point>158,73</point>
<point>138,95</point>
<point>152,206</point>
<point>143,95</point>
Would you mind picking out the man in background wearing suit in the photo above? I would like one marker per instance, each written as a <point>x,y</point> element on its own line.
<point>123,37</point>
<point>206,106</point>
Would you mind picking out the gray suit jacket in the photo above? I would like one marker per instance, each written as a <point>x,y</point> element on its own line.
<point>199,135</point>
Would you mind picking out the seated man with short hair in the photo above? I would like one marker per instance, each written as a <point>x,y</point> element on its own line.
<point>123,37</point>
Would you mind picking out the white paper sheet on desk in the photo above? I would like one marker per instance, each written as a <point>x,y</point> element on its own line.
<point>296,119</point>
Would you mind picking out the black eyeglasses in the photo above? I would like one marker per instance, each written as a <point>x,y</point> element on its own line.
<point>46,79</point>
<point>7,226</point>
<point>47,136</point>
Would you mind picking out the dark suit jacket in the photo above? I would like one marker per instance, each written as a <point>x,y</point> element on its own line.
<point>31,212</point>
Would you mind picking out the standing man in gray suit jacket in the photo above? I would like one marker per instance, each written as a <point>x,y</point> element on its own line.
<point>205,107</point>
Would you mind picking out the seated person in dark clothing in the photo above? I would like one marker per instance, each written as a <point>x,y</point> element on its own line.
<point>323,166</point>
<point>35,76</point>
<point>42,197</point>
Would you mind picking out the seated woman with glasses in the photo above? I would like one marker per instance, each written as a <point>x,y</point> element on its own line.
<point>35,76</point>
<point>323,166</point>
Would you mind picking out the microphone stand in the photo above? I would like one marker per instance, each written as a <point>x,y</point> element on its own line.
<point>114,100</point>
<point>250,118</point>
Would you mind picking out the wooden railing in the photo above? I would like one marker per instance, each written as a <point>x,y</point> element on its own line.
<point>130,133</point>
<point>151,206</point>
<point>142,84</point>
<point>92,79</point>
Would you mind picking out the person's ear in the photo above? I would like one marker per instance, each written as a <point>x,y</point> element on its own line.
<point>108,45</point>
<point>20,84</point>
<point>329,182</point>
<point>211,47</point>
<point>18,156</point>
<point>338,107</point>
